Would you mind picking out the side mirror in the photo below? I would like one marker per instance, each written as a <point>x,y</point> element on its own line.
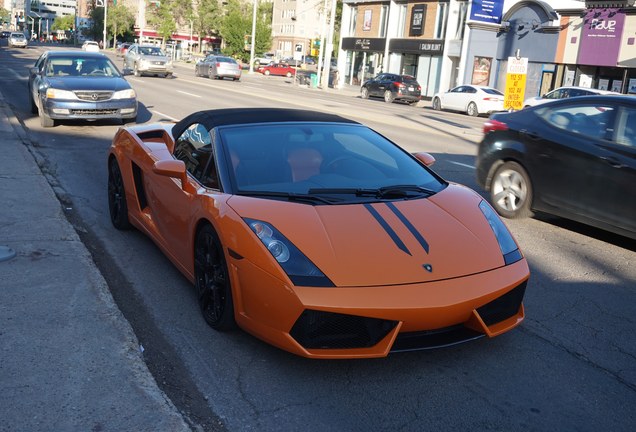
<point>425,158</point>
<point>172,168</point>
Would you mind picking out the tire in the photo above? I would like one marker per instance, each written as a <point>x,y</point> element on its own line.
<point>511,191</point>
<point>46,121</point>
<point>196,71</point>
<point>211,75</point>
<point>288,75</point>
<point>437,104</point>
<point>472,109</point>
<point>364,93</point>
<point>267,72</point>
<point>388,96</point>
<point>212,281</point>
<point>136,71</point>
<point>117,205</point>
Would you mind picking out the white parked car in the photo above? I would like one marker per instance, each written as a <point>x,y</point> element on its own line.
<point>17,39</point>
<point>471,99</point>
<point>564,92</point>
<point>90,46</point>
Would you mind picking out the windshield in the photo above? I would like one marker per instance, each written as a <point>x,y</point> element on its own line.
<point>332,163</point>
<point>151,51</point>
<point>69,66</point>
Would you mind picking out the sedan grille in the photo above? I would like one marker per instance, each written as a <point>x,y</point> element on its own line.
<point>93,112</point>
<point>93,95</point>
<point>327,330</point>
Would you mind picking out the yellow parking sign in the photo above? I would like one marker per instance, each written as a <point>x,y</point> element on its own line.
<point>515,82</point>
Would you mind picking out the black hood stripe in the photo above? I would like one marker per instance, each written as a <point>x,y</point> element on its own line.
<point>384,224</point>
<point>407,223</point>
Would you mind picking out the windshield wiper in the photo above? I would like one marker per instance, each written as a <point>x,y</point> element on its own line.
<point>289,196</point>
<point>394,191</point>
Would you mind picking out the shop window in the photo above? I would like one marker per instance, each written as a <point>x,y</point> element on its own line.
<point>384,15</point>
<point>441,20</point>
<point>461,19</point>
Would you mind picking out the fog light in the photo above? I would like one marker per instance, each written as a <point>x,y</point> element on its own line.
<point>127,110</point>
<point>61,111</point>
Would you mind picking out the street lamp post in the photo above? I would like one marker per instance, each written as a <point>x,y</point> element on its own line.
<point>253,36</point>
<point>105,15</point>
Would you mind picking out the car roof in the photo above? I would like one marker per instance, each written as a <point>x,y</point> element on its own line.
<point>236,116</point>
<point>69,53</point>
<point>612,98</point>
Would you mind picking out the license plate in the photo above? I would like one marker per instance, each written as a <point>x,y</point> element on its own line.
<point>411,88</point>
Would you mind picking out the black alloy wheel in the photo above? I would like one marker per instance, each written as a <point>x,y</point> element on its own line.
<point>212,280</point>
<point>117,206</point>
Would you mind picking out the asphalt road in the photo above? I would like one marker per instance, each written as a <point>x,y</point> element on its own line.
<point>570,366</point>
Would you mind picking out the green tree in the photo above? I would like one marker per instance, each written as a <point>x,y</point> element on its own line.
<point>64,23</point>
<point>206,19</point>
<point>5,16</point>
<point>120,21</point>
<point>238,23</point>
<point>161,18</point>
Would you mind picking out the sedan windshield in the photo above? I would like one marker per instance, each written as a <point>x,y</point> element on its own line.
<point>79,66</point>
<point>323,163</point>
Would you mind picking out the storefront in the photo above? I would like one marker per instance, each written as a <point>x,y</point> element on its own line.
<point>364,58</point>
<point>421,58</point>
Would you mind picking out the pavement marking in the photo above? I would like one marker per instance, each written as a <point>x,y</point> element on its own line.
<point>462,164</point>
<point>165,115</point>
<point>188,94</point>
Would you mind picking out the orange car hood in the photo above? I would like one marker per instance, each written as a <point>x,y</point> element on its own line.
<point>386,243</point>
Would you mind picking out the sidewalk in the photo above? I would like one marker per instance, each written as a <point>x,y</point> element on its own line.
<point>69,361</point>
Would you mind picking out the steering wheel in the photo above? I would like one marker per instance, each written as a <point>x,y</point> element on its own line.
<point>329,166</point>
<point>98,72</point>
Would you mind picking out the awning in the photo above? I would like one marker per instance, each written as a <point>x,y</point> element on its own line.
<point>631,63</point>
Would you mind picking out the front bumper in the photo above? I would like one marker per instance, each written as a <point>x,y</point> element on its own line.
<point>82,110</point>
<point>365,322</point>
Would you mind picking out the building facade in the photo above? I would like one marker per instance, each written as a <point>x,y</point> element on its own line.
<point>445,43</point>
<point>297,25</point>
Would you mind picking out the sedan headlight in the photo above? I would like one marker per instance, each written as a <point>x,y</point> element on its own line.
<point>53,93</point>
<point>125,94</point>
<point>507,244</point>
<point>298,267</point>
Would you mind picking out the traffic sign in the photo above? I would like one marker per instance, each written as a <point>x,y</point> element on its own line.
<point>515,82</point>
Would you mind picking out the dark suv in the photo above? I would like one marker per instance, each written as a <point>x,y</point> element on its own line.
<point>392,87</point>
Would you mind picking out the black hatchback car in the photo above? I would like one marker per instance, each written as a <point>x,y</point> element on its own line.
<point>393,87</point>
<point>574,158</point>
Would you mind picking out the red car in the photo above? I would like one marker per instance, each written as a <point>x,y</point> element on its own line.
<point>278,69</point>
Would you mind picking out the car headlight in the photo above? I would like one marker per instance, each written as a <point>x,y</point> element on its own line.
<point>507,244</point>
<point>125,94</point>
<point>298,267</point>
<point>53,93</point>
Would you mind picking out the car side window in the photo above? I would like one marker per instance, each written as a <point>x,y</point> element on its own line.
<point>471,90</point>
<point>194,148</point>
<point>594,121</point>
<point>625,131</point>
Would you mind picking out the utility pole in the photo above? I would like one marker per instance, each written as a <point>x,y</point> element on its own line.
<point>253,37</point>
<point>329,46</point>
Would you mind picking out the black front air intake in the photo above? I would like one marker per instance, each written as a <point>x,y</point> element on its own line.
<point>327,330</point>
<point>503,307</point>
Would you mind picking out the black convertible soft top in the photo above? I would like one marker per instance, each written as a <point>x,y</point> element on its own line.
<point>233,116</point>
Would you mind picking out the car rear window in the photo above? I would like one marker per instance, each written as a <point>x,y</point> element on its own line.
<point>225,60</point>
<point>408,78</point>
<point>493,91</point>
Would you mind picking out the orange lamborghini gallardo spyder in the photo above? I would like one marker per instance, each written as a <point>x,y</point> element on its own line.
<point>316,234</point>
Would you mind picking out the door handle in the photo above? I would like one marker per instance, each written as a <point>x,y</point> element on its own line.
<point>612,161</point>
<point>531,135</point>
